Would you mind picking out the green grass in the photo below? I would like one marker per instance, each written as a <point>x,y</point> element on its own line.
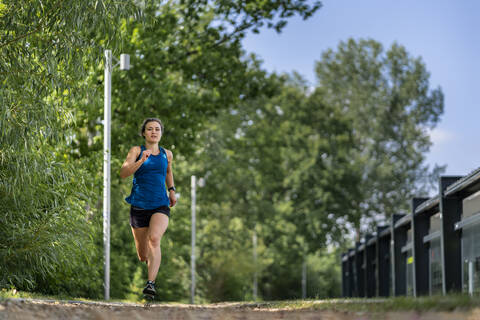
<point>421,304</point>
<point>13,293</point>
<point>433,303</point>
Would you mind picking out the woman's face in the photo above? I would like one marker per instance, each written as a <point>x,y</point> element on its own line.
<point>153,131</point>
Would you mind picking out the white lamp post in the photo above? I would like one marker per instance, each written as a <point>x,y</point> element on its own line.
<point>255,274</point>
<point>124,65</point>
<point>192,260</point>
<point>201,183</point>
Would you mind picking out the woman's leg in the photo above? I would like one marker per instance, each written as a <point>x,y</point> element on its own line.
<point>141,242</point>
<point>158,225</point>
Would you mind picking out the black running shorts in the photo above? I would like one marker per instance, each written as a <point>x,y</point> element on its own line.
<point>140,218</point>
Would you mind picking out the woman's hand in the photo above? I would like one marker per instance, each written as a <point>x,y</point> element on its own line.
<point>145,155</point>
<point>173,199</point>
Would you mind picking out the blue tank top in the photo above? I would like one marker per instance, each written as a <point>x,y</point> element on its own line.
<point>148,189</point>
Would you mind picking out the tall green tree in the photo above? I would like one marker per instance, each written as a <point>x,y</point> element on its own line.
<point>320,184</point>
<point>301,165</point>
<point>45,225</point>
<point>236,199</point>
<point>278,164</point>
<point>386,97</point>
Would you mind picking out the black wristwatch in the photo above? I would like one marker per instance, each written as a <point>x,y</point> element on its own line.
<point>171,188</point>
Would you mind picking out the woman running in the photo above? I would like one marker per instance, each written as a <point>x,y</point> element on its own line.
<point>151,167</point>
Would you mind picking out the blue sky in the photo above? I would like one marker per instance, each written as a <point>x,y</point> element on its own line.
<point>444,33</point>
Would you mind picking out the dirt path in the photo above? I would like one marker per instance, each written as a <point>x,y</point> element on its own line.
<point>29,309</point>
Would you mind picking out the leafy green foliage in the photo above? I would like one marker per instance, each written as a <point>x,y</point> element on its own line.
<point>45,227</point>
<point>302,165</point>
<point>224,261</point>
<point>387,99</point>
<point>324,275</point>
<point>263,161</point>
<point>50,67</point>
<point>188,66</point>
<point>47,221</point>
<point>290,165</point>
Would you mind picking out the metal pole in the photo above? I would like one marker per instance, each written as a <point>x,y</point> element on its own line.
<point>106,170</point>
<point>304,278</point>
<point>194,200</point>
<point>255,283</point>
<point>470,278</point>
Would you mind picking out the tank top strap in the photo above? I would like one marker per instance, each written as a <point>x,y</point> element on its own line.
<point>165,153</point>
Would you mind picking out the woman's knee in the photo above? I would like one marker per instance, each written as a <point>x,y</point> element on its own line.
<point>154,240</point>
<point>142,257</point>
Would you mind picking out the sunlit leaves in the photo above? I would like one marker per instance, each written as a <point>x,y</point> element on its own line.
<point>45,193</point>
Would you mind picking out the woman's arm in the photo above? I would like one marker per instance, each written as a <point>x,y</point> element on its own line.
<point>130,165</point>
<point>169,179</point>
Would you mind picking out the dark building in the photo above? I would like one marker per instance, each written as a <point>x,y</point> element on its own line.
<point>435,249</point>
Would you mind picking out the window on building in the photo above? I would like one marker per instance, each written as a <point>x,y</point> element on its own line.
<point>471,259</point>
<point>355,280</point>
<point>436,276</point>
<point>409,273</point>
<point>392,267</point>
<point>471,244</point>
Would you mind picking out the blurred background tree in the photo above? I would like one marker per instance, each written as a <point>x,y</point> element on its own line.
<point>386,97</point>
